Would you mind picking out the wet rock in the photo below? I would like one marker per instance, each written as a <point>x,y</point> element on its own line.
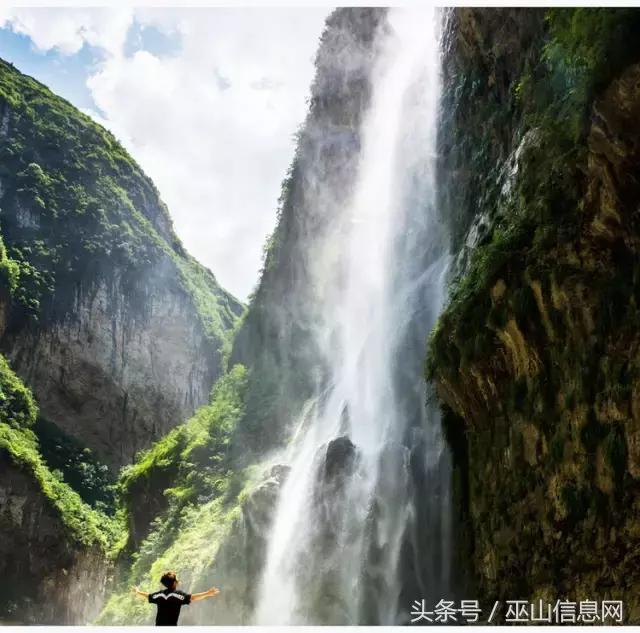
<point>542,415</point>
<point>339,458</point>
<point>261,501</point>
<point>240,559</point>
<point>279,472</point>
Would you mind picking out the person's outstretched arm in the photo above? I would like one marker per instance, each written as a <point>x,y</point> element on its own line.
<point>205,594</point>
<point>141,594</point>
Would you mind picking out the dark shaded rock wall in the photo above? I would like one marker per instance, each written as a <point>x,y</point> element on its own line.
<point>48,577</point>
<point>536,357</point>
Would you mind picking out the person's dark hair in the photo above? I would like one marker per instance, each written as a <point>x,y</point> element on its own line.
<point>168,578</point>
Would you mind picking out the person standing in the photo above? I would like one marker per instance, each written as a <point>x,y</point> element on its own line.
<point>170,600</point>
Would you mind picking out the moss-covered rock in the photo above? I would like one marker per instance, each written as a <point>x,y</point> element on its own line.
<point>55,550</point>
<point>535,358</point>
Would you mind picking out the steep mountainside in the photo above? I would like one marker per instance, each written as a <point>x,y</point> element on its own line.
<point>535,359</point>
<point>277,337</point>
<point>118,331</point>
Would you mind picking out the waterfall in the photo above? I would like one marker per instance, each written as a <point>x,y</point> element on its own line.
<point>362,526</point>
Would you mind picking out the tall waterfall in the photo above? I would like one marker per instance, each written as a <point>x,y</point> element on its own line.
<point>362,526</point>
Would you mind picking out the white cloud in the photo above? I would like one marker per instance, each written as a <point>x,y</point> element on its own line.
<point>211,122</point>
<point>67,30</point>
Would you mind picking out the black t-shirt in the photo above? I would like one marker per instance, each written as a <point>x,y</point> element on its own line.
<point>169,603</point>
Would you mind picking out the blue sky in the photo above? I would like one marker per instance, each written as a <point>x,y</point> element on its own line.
<point>65,75</point>
<point>207,100</point>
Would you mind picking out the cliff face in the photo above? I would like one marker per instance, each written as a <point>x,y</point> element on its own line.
<point>51,577</point>
<point>277,339</point>
<point>119,332</point>
<point>53,546</point>
<point>535,359</point>
<point>117,375</point>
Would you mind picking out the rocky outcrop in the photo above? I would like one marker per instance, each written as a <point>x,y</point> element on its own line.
<point>241,557</point>
<point>49,578</point>
<point>339,460</point>
<point>335,464</point>
<point>535,358</point>
<point>484,55</point>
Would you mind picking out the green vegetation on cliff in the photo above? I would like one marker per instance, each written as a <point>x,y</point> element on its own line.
<point>19,445</point>
<point>17,408</point>
<point>541,210</point>
<point>21,433</point>
<point>77,465</point>
<point>536,356</point>
<point>191,550</point>
<point>193,458</point>
<point>76,207</point>
<point>182,497</point>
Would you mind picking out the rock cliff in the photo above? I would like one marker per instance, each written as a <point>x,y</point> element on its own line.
<point>278,337</point>
<point>535,357</point>
<point>51,577</point>
<point>118,331</point>
<point>54,548</point>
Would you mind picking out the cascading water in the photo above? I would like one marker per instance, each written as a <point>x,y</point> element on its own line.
<point>362,524</point>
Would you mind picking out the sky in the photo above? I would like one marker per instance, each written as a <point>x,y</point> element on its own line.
<point>206,100</point>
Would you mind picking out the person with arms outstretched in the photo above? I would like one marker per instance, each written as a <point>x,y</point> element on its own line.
<point>170,600</point>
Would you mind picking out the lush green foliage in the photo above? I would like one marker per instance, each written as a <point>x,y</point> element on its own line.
<point>86,525</point>
<point>17,407</point>
<point>19,444</point>
<point>191,551</point>
<point>76,208</point>
<point>218,310</point>
<point>586,48</point>
<point>77,466</point>
<point>595,43</point>
<point>9,271</point>
<point>195,454</point>
<point>191,467</point>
